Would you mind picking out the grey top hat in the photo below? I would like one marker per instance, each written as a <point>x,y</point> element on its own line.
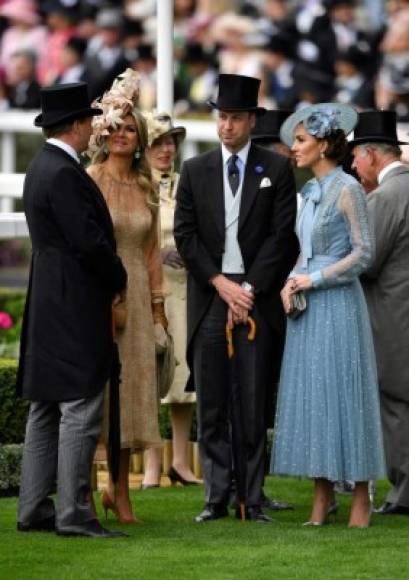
<point>320,120</point>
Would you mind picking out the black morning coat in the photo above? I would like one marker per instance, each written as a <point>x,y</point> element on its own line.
<point>66,342</point>
<point>266,234</point>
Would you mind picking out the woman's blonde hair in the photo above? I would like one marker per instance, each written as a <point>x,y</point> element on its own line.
<point>142,167</point>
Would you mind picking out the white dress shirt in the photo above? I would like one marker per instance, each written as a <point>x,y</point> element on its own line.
<point>67,148</point>
<point>232,262</point>
<point>387,169</point>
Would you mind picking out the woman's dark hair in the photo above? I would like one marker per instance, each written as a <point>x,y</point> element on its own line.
<point>337,146</point>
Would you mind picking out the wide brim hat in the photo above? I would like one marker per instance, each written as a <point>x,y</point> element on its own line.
<point>238,93</point>
<point>22,10</point>
<point>160,125</point>
<point>267,127</point>
<point>63,103</point>
<point>232,22</point>
<point>376,127</point>
<point>346,119</point>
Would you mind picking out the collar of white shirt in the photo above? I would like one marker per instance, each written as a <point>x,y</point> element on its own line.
<point>388,168</point>
<point>67,148</point>
<point>242,154</point>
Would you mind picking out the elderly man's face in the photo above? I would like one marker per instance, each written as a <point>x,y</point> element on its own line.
<point>364,165</point>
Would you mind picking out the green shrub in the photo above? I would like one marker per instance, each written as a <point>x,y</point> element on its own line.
<point>10,469</point>
<point>13,411</point>
<point>165,425</point>
<point>12,303</point>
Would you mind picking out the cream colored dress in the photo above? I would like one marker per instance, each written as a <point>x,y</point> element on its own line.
<point>175,284</point>
<point>137,245</point>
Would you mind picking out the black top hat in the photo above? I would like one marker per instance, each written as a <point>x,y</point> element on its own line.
<point>60,103</point>
<point>194,53</point>
<point>281,43</point>
<point>330,4</point>
<point>357,55</point>
<point>145,51</point>
<point>267,128</point>
<point>238,93</point>
<point>376,127</point>
<point>77,45</point>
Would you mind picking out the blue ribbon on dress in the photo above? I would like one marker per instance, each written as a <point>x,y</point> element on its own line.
<point>312,195</point>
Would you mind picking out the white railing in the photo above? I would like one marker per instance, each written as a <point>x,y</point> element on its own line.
<point>14,122</point>
<point>11,184</point>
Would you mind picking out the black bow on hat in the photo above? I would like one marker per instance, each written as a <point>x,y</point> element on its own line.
<point>66,102</point>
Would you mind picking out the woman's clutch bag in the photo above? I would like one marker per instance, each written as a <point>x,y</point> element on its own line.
<point>298,304</point>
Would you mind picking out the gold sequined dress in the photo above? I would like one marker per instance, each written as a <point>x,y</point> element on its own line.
<point>137,244</point>
<point>175,284</point>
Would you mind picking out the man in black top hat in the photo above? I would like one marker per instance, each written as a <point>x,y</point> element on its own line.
<point>234,228</point>
<point>266,131</point>
<point>66,341</point>
<point>376,151</point>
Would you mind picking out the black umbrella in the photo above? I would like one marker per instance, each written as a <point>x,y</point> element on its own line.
<point>114,438</point>
<point>239,444</point>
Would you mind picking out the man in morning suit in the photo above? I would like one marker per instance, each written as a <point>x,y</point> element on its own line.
<point>234,228</point>
<point>377,155</point>
<point>66,343</point>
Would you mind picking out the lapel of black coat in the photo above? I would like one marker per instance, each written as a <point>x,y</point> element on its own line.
<point>253,175</point>
<point>98,197</point>
<point>216,191</point>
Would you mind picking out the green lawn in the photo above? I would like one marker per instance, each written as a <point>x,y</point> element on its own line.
<point>170,546</point>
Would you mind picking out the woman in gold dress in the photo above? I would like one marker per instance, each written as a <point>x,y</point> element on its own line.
<point>122,173</point>
<point>163,142</point>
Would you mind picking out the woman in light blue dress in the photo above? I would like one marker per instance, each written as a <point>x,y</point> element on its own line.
<point>328,422</point>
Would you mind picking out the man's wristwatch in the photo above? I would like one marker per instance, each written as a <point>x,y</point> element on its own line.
<point>247,286</point>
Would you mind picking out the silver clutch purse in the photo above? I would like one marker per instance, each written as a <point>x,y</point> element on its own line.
<point>298,304</point>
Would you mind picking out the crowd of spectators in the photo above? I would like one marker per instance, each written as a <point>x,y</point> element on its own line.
<point>353,51</point>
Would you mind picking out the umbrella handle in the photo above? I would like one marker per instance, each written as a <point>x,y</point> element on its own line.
<point>229,335</point>
<point>252,329</point>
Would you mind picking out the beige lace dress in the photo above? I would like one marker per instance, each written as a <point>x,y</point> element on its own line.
<point>175,284</point>
<point>136,230</point>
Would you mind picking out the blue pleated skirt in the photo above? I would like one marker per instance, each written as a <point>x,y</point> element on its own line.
<point>328,419</point>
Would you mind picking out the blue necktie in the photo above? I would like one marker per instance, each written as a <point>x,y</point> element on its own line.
<point>233,174</point>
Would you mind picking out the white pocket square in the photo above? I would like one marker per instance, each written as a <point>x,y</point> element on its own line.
<point>265,182</point>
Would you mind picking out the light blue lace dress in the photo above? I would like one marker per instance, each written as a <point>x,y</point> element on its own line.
<point>328,421</point>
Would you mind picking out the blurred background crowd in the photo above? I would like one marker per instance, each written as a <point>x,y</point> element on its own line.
<point>353,51</point>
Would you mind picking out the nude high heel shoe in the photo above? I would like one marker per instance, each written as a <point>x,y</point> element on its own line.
<point>109,504</point>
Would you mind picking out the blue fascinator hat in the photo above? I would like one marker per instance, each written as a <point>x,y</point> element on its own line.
<point>320,120</point>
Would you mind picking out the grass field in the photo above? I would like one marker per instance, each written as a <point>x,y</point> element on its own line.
<point>170,546</point>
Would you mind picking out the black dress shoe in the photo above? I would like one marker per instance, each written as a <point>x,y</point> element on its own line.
<point>255,514</point>
<point>91,529</point>
<point>275,505</point>
<point>212,512</point>
<point>46,525</point>
<point>392,508</point>
<point>175,477</point>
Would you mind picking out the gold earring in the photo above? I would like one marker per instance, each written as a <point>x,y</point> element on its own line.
<point>322,155</point>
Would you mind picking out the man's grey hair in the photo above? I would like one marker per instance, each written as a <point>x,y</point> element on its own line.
<point>387,149</point>
<point>27,54</point>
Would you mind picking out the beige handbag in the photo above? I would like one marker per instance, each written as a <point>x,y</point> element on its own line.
<point>165,360</point>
